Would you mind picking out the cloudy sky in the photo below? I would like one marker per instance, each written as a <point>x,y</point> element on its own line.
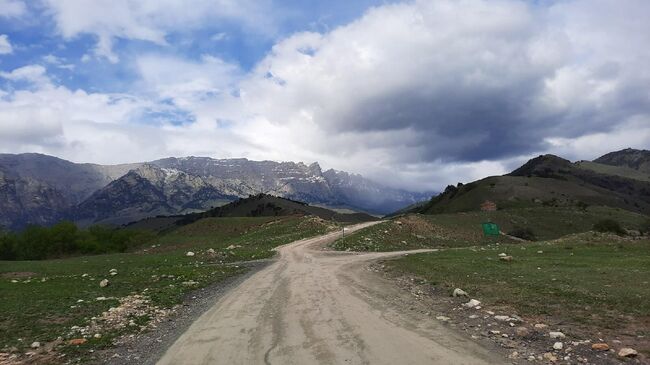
<point>414,94</point>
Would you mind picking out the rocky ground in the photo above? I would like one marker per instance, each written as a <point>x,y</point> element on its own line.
<point>157,328</point>
<point>144,350</point>
<point>525,340</point>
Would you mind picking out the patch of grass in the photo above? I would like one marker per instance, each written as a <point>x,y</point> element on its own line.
<point>44,302</point>
<point>602,282</point>
<point>464,229</point>
<point>256,237</point>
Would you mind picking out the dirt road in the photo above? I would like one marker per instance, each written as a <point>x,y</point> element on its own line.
<point>319,307</point>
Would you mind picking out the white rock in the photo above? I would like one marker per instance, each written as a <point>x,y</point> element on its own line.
<point>473,303</point>
<point>100,298</point>
<point>85,275</point>
<point>189,254</point>
<point>502,254</point>
<point>558,346</point>
<point>35,345</point>
<point>97,335</point>
<point>211,251</point>
<point>443,318</point>
<point>104,283</point>
<point>627,352</point>
<point>459,293</point>
<point>540,251</point>
<point>556,335</point>
<point>501,318</point>
<point>473,316</point>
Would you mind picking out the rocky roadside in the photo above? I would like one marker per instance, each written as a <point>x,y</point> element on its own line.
<point>148,347</point>
<point>154,336</point>
<point>524,340</point>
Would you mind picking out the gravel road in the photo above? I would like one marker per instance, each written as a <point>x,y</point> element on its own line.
<point>314,306</point>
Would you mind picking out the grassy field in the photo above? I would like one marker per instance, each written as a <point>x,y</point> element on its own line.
<point>587,279</point>
<point>464,229</point>
<point>42,300</point>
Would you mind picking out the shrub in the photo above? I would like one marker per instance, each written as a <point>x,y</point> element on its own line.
<point>609,225</point>
<point>645,228</point>
<point>523,233</point>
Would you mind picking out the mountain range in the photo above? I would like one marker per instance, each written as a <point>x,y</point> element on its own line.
<point>41,189</point>
<point>618,179</point>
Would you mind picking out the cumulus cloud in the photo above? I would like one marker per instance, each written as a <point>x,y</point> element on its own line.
<point>418,94</point>
<point>5,45</point>
<point>12,8</point>
<point>151,20</point>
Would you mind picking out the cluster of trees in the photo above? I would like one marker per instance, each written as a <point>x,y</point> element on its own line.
<point>66,239</point>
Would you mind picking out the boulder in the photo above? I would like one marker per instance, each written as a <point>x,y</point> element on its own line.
<point>600,346</point>
<point>104,283</point>
<point>522,331</point>
<point>473,303</point>
<point>558,346</point>
<point>627,352</point>
<point>556,334</point>
<point>506,258</point>
<point>550,357</point>
<point>459,293</point>
<point>35,345</point>
<point>189,254</point>
<point>501,318</point>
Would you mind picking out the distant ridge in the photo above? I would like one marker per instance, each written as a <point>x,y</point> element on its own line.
<point>264,205</point>
<point>41,189</point>
<point>549,180</point>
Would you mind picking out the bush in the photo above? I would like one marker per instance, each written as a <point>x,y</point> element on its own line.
<point>609,225</point>
<point>645,228</point>
<point>523,233</point>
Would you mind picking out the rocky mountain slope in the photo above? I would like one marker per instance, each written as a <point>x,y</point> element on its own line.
<point>551,181</point>
<point>631,158</point>
<point>40,189</point>
<point>145,192</point>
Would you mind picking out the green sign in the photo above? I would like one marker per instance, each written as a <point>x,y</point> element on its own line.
<point>490,229</point>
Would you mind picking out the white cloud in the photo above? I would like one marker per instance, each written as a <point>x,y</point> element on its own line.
<point>34,74</point>
<point>417,95</point>
<point>152,20</point>
<point>5,45</point>
<point>58,62</point>
<point>12,8</point>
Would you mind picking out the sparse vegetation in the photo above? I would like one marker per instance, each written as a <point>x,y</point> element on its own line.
<point>464,229</point>
<point>584,280</point>
<point>62,293</point>
<point>609,225</point>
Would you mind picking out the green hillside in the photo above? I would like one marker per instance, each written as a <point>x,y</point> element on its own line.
<point>545,181</point>
<point>614,170</point>
<point>264,205</point>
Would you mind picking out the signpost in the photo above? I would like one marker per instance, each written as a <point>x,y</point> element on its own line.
<point>489,228</point>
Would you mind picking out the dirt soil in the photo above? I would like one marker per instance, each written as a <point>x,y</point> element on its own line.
<point>317,306</point>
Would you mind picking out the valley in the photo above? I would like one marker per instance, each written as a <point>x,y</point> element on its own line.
<point>563,281</point>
